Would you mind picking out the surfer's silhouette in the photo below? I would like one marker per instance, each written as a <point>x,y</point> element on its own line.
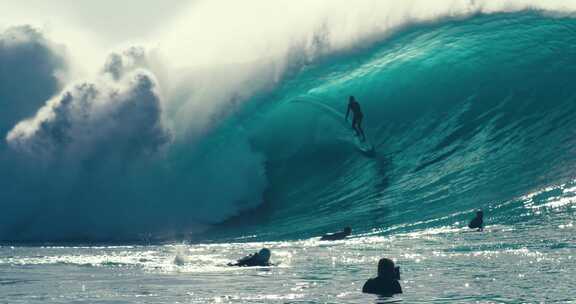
<point>337,235</point>
<point>387,282</point>
<point>478,221</point>
<point>357,117</point>
<point>261,258</point>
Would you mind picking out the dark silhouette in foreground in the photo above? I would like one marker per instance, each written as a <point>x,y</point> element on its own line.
<point>261,258</point>
<point>387,282</point>
<point>337,235</point>
<point>357,117</point>
<point>478,221</point>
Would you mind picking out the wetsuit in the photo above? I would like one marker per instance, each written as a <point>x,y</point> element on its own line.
<point>357,114</point>
<point>251,260</point>
<point>476,223</point>
<point>382,286</point>
<point>357,117</point>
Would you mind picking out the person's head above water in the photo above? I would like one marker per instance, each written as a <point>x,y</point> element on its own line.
<point>348,230</point>
<point>351,99</point>
<point>388,281</point>
<point>386,268</point>
<point>480,214</point>
<point>264,254</point>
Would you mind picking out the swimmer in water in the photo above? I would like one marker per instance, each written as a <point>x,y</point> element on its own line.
<point>260,258</point>
<point>387,282</point>
<point>337,235</point>
<point>478,221</point>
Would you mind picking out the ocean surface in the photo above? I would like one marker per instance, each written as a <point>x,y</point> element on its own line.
<point>464,114</point>
<point>527,263</point>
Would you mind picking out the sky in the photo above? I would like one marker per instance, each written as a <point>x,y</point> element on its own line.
<point>112,21</point>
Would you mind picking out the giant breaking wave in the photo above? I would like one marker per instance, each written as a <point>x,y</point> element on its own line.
<point>466,106</point>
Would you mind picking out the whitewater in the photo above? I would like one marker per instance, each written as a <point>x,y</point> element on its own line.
<point>133,172</point>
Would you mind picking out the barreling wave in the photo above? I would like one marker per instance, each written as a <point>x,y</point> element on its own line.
<point>463,114</point>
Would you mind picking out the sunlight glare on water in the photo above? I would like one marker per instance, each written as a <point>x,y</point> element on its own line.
<point>438,265</point>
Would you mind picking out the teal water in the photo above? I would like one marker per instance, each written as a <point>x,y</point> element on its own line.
<point>527,263</point>
<point>463,114</point>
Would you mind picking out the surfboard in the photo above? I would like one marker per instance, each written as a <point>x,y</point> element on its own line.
<point>383,300</point>
<point>363,146</point>
<point>488,229</point>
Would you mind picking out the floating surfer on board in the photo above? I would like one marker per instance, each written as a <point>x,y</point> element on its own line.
<point>261,258</point>
<point>357,117</point>
<point>337,235</point>
<point>478,221</point>
<point>387,283</point>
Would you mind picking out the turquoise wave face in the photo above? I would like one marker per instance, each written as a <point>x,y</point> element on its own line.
<point>464,114</point>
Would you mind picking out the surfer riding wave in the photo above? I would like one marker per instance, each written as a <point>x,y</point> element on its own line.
<point>357,116</point>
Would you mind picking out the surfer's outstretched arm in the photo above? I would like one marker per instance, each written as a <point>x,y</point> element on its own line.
<point>347,112</point>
